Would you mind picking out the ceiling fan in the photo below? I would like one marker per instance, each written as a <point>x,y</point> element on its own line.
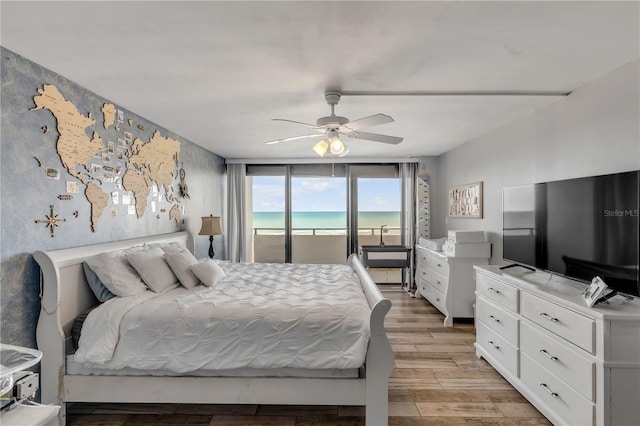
<point>331,127</point>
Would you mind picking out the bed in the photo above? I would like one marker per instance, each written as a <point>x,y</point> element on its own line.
<point>65,295</point>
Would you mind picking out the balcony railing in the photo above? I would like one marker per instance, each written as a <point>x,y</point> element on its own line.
<point>315,245</point>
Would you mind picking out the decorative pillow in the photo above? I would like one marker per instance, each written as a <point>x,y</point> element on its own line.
<point>153,269</point>
<point>167,247</point>
<point>180,263</point>
<point>76,327</point>
<point>116,273</point>
<point>102,293</point>
<point>208,272</point>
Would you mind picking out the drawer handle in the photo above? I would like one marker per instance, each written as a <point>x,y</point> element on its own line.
<point>438,282</point>
<point>553,394</point>
<point>438,265</point>
<point>493,345</point>
<point>493,290</point>
<point>437,299</point>
<point>549,317</point>
<point>548,355</point>
<point>494,318</point>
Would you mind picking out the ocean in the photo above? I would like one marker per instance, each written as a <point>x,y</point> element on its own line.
<point>324,220</point>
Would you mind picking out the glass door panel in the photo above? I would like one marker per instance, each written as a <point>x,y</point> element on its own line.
<point>318,219</point>
<point>379,208</point>
<point>268,200</point>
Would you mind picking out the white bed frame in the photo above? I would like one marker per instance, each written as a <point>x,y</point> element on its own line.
<point>65,294</point>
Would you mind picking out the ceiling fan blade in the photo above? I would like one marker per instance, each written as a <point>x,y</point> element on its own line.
<point>393,140</point>
<point>293,138</point>
<point>313,126</point>
<point>372,120</point>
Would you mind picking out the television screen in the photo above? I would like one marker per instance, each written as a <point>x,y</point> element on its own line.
<point>580,228</point>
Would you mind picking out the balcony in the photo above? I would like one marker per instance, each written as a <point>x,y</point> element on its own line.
<point>320,245</point>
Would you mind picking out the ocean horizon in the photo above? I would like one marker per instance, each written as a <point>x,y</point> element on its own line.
<point>325,220</point>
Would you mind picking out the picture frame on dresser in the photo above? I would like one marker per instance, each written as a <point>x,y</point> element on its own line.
<point>465,201</point>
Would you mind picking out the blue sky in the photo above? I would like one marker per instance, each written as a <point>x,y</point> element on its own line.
<point>324,194</point>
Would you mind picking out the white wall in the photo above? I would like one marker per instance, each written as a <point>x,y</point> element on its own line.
<point>593,131</point>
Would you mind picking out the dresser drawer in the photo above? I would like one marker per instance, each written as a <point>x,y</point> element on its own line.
<point>422,258</point>
<point>423,273</point>
<point>499,320</point>
<point>574,327</point>
<point>574,369</point>
<point>440,282</point>
<point>436,298</point>
<point>573,408</point>
<point>503,352</point>
<point>439,264</point>
<point>503,294</point>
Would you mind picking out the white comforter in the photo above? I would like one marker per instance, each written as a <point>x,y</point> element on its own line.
<point>258,316</point>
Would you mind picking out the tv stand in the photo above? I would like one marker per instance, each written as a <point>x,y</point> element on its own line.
<point>577,365</point>
<point>513,265</point>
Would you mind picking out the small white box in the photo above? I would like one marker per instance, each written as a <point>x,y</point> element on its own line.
<point>432,244</point>
<point>452,249</point>
<point>467,236</point>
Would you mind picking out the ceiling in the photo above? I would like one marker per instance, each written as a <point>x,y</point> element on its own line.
<point>216,73</point>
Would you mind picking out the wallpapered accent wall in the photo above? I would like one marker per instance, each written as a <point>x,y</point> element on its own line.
<point>36,175</point>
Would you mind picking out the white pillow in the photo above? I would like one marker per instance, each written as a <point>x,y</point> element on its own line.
<point>208,272</point>
<point>180,263</point>
<point>153,269</point>
<point>167,247</point>
<point>116,273</point>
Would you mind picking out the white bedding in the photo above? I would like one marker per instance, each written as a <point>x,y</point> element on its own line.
<point>258,316</point>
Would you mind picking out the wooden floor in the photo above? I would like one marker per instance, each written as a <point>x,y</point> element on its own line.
<point>437,380</point>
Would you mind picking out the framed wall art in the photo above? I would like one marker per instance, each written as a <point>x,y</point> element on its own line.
<point>466,201</point>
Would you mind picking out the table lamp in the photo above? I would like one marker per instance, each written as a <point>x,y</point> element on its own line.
<point>211,226</point>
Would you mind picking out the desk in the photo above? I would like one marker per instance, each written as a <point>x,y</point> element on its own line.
<point>391,256</point>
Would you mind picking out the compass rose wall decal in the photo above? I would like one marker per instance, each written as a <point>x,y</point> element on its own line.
<point>51,221</point>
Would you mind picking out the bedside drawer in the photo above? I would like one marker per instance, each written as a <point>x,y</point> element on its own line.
<point>573,368</point>
<point>439,264</point>
<point>574,327</point>
<point>436,298</point>
<point>503,294</point>
<point>499,320</point>
<point>572,407</point>
<point>440,282</point>
<point>504,353</point>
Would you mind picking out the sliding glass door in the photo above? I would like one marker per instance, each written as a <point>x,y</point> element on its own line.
<point>321,213</point>
<point>318,213</point>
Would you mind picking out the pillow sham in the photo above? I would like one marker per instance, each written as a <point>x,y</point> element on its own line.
<point>153,269</point>
<point>116,273</point>
<point>102,293</point>
<point>208,271</point>
<point>167,247</point>
<point>180,263</point>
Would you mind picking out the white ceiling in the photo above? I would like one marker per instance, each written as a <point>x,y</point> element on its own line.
<point>217,72</point>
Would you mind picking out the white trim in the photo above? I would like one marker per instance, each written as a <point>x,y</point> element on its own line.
<point>349,160</point>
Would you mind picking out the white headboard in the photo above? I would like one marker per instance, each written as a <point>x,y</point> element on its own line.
<point>64,290</point>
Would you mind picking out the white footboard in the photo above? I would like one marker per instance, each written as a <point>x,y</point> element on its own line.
<point>65,295</point>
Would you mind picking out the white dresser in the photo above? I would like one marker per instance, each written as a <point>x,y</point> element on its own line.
<point>577,365</point>
<point>448,283</point>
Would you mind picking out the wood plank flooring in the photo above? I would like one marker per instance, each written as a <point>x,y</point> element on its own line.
<point>437,380</point>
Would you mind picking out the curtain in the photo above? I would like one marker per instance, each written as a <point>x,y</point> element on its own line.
<point>408,220</point>
<point>238,237</point>
<point>408,176</point>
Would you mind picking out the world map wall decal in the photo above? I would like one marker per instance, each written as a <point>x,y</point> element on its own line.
<point>138,167</point>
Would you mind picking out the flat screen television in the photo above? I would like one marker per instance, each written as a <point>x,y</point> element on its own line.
<point>579,228</point>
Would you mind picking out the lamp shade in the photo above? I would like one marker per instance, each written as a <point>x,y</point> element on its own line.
<point>211,226</point>
<point>321,148</point>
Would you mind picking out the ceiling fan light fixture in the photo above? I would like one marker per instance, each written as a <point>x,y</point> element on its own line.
<point>336,146</point>
<point>321,148</point>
